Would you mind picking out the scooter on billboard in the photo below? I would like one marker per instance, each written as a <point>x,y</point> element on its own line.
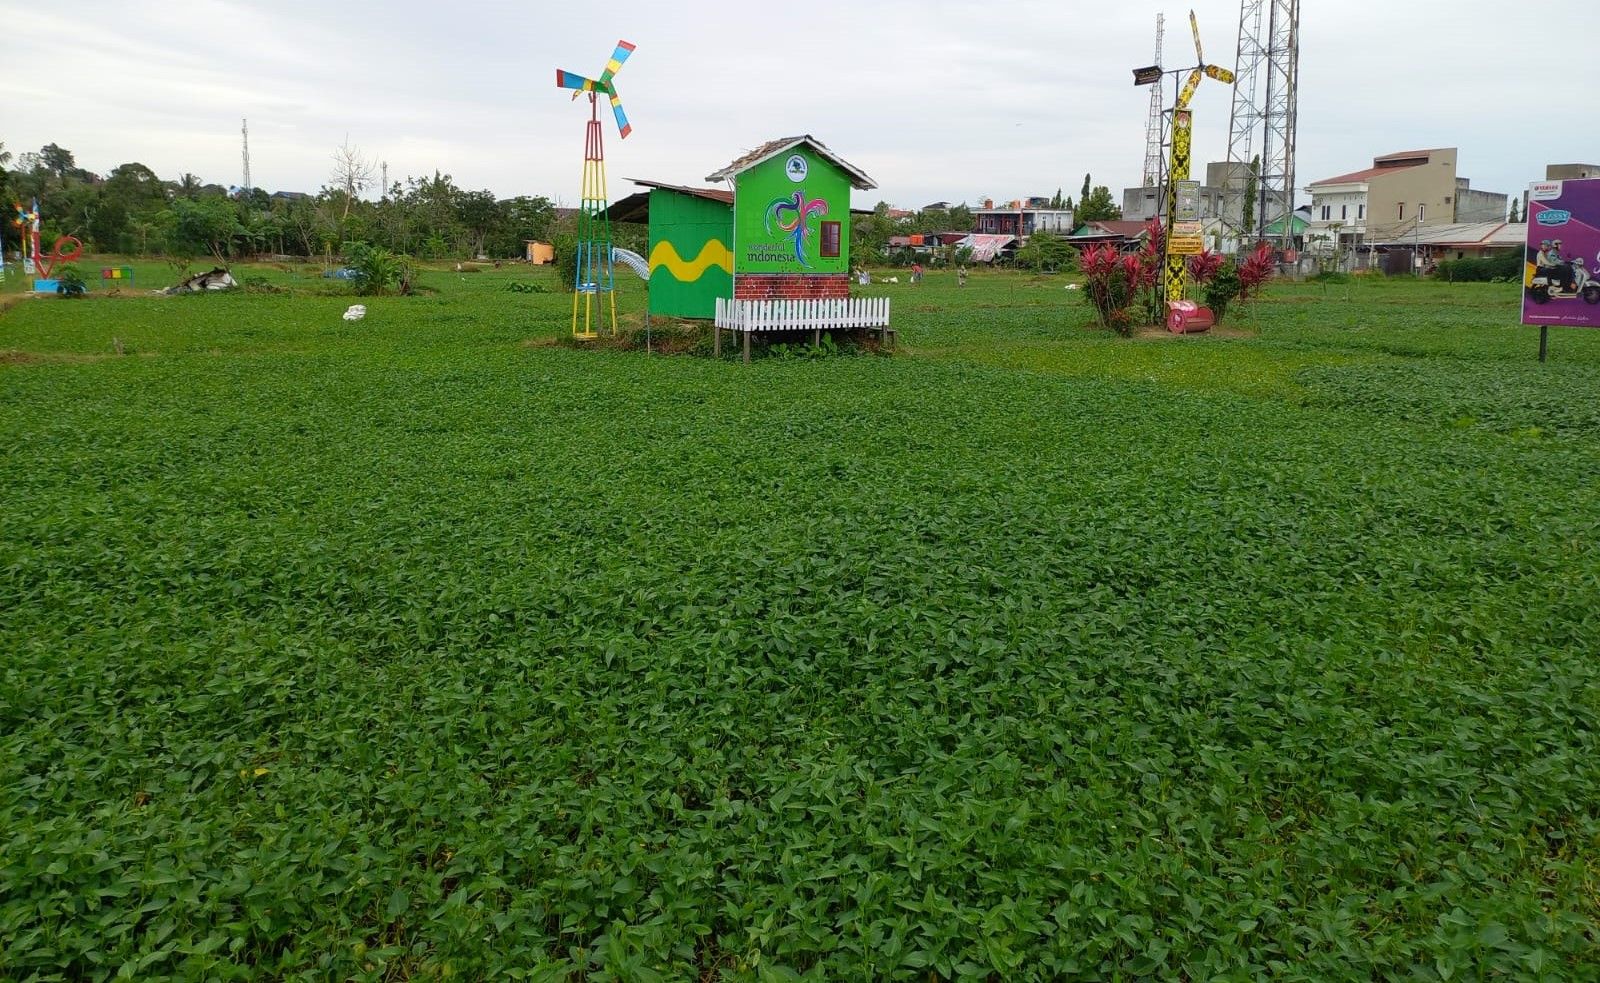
<point>1559,280</point>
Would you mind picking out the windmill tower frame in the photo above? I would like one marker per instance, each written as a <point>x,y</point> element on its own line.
<point>596,272</point>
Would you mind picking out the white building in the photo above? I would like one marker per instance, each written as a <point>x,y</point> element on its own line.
<point>1339,212</point>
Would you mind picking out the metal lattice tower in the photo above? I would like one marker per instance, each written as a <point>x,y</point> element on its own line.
<point>244,131</point>
<point>1265,105</point>
<point>1153,128</point>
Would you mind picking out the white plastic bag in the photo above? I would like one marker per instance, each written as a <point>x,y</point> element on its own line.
<point>356,312</point>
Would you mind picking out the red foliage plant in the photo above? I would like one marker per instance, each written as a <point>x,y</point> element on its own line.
<point>1256,270</point>
<point>1204,266</point>
<point>1109,281</point>
<point>1155,238</point>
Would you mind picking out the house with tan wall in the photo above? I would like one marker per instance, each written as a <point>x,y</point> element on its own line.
<point>1399,194</point>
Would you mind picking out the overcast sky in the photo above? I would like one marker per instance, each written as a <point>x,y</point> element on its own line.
<point>935,99</point>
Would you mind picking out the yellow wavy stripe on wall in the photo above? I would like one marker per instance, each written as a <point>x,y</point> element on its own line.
<point>713,253</point>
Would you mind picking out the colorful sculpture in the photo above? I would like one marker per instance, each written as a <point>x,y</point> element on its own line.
<point>595,273</point>
<point>1184,242</point>
<point>27,222</point>
<point>34,263</point>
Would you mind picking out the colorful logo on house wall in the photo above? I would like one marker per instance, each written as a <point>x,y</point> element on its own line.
<point>792,217</point>
<point>796,168</point>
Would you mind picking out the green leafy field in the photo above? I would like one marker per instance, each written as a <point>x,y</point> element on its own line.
<point>419,646</point>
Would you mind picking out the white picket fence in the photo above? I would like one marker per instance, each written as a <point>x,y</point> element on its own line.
<point>802,315</point>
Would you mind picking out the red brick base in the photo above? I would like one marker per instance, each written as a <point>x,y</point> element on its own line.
<point>791,286</point>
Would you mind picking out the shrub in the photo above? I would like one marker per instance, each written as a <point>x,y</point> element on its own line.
<point>565,245</point>
<point>1222,288</point>
<point>376,269</point>
<point>1504,268</point>
<point>70,282</point>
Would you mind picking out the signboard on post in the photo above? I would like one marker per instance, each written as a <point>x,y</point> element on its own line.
<point>1188,201</point>
<point>1561,269</point>
<point>1188,239</point>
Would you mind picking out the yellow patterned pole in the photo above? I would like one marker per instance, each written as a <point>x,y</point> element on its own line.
<point>1177,269</point>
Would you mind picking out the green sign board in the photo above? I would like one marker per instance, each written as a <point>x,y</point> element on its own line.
<point>792,215</point>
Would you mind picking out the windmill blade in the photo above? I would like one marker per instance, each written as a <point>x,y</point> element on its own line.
<point>1194,25</point>
<point>572,80</point>
<point>1220,74</point>
<point>623,126</point>
<point>1188,89</point>
<point>624,49</point>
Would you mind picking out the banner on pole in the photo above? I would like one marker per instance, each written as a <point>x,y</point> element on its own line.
<point>1561,268</point>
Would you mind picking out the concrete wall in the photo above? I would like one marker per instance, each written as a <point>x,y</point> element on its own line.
<point>1431,185</point>
<point>1141,204</point>
<point>1571,172</point>
<point>1481,206</point>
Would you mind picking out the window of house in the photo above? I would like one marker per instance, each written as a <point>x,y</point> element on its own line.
<point>1402,211</point>
<point>830,239</point>
<point>1447,199</point>
<point>1327,211</point>
<point>1361,211</point>
<point>1344,212</point>
<point>1422,211</point>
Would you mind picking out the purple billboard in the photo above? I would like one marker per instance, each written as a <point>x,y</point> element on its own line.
<point>1561,278</point>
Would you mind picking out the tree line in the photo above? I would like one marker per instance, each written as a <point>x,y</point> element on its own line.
<point>133,210</point>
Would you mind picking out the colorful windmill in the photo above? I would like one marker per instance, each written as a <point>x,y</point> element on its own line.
<point>595,274</point>
<point>27,222</point>
<point>1183,242</point>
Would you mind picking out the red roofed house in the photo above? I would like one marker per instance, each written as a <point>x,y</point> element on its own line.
<point>1400,194</point>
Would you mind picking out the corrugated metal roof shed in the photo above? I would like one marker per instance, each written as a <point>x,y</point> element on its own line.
<point>1461,234</point>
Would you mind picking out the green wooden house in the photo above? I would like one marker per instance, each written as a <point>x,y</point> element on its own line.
<point>781,232</point>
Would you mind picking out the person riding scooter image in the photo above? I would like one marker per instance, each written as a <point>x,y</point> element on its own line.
<point>1553,268</point>
<point>1561,268</point>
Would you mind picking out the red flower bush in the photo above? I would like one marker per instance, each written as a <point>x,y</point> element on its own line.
<point>1119,284</point>
<point>1203,267</point>
<point>1255,271</point>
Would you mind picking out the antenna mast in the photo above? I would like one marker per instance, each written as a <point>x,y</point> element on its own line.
<point>244,130</point>
<point>1153,128</point>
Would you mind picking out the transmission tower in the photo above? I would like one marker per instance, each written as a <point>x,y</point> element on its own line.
<point>1153,128</point>
<point>244,130</point>
<point>1265,105</point>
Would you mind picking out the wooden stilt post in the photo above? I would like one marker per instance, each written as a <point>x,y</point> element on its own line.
<point>747,347</point>
<point>716,344</point>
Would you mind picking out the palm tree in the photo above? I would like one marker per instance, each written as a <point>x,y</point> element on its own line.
<point>189,186</point>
